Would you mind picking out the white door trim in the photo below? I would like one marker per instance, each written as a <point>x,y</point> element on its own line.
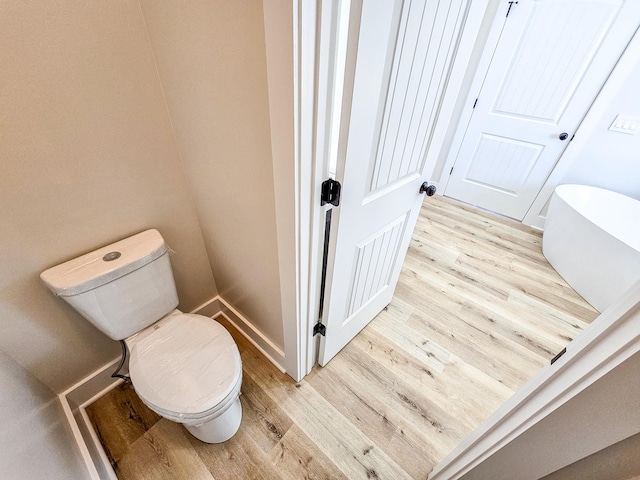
<point>610,340</point>
<point>322,113</point>
<point>309,176</point>
<point>535,217</point>
<point>290,37</point>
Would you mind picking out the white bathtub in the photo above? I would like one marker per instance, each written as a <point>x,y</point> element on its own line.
<point>592,238</point>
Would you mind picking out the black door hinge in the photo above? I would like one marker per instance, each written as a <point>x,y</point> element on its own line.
<point>475,103</point>
<point>451,171</point>
<point>510,5</point>
<point>319,328</point>
<point>330,192</point>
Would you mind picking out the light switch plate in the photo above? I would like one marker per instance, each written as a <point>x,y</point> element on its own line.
<point>624,123</point>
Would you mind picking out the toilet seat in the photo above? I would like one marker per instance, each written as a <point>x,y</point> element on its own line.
<point>199,418</point>
<point>187,368</point>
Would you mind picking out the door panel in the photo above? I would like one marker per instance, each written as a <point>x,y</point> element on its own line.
<point>376,256</point>
<point>399,67</point>
<point>414,92</point>
<point>559,42</point>
<point>550,63</point>
<point>503,164</point>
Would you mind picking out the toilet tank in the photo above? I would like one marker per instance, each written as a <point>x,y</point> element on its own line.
<point>121,288</point>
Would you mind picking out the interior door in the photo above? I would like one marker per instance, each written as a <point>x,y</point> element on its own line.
<point>398,59</point>
<point>551,61</point>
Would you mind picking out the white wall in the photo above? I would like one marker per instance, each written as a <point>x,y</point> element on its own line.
<point>35,438</point>
<point>612,160</point>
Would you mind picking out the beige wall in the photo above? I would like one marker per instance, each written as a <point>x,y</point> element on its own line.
<point>212,63</point>
<point>35,439</point>
<point>620,461</point>
<point>603,414</point>
<point>88,157</point>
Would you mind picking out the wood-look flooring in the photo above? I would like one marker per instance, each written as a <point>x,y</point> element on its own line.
<point>477,312</point>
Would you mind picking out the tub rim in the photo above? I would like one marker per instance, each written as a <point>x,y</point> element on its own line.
<point>567,193</point>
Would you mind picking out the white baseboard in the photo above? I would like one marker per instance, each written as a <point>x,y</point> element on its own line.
<point>210,308</point>
<point>75,399</point>
<point>98,455</point>
<point>273,353</point>
<point>219,306</point>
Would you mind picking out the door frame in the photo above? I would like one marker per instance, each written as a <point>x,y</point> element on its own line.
<point>290,40</point>
<point>299,170</point>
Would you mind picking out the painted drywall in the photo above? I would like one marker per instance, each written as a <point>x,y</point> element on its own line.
<point>279,32</point>
<point>88,157</point>
<point>620,461</point>
<point>212,64</point>
<point>608,159</point>
<point>603,414</point>
<point>35,438</point>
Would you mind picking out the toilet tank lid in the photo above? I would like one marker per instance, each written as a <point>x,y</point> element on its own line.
<point>105,264</point>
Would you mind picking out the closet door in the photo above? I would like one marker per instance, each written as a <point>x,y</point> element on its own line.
<point>551,61</point>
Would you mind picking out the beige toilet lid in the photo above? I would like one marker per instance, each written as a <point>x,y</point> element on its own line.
<point>187,366</point>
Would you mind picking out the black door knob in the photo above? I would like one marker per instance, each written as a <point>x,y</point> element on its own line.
<point>563,136</point>
<point>430,190</point>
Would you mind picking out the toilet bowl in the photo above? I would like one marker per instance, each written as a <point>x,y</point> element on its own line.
<point>185,367</point>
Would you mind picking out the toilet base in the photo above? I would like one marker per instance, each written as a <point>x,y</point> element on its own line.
<point>219,429</point>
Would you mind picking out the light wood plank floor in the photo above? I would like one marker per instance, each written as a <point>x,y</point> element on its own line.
<point>477,312</point>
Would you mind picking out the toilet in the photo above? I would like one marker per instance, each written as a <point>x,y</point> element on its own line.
<point>184,367</point>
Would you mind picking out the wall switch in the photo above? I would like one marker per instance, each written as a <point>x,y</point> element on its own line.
<point>626,124</point>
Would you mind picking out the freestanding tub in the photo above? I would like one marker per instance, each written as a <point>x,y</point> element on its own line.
<point>592,239</point>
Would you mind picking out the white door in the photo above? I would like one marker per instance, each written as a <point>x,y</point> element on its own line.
<point>551,61</point>
<point>404,51</point>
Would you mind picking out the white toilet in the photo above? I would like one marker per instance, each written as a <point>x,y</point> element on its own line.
<point>185,367</point>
